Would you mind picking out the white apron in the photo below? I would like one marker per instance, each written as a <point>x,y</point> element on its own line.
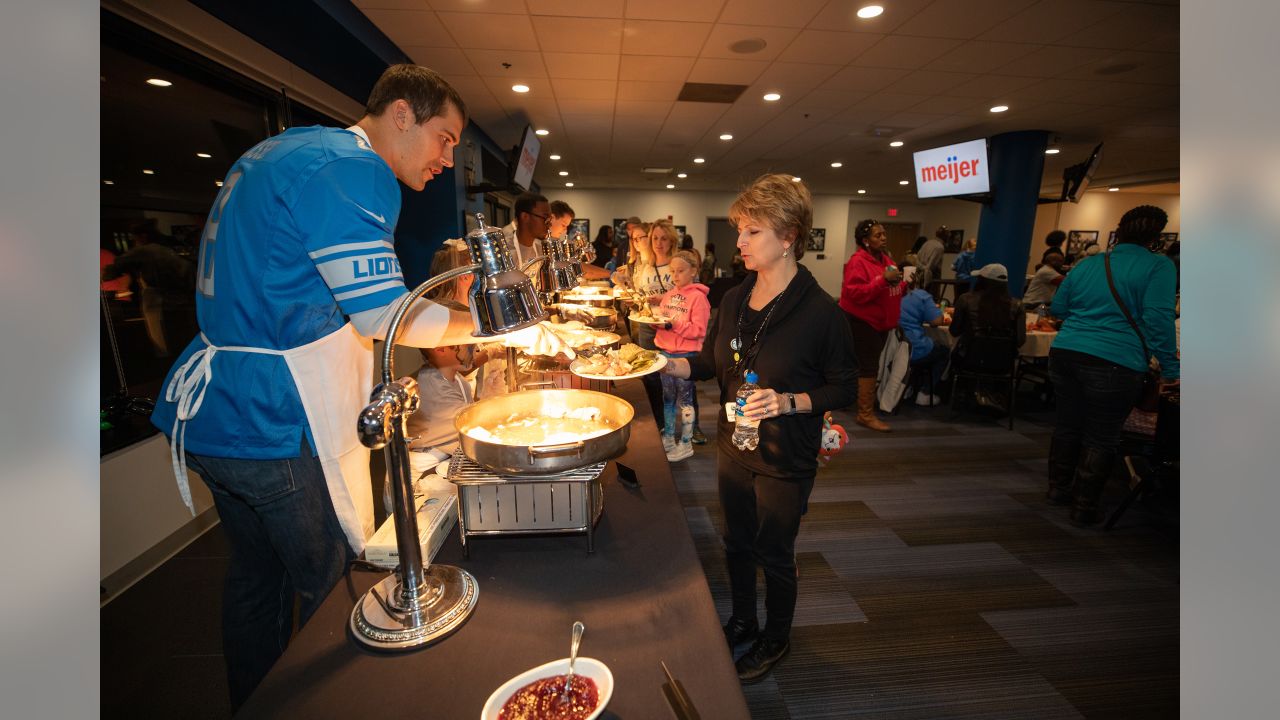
<point>334,377</point>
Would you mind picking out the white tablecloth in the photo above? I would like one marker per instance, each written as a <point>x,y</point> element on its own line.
<point>1036,345</point>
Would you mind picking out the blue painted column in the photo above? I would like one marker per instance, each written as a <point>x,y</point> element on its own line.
<point>1016,161</point>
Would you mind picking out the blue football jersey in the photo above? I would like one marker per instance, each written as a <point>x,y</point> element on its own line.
<point>298,240</point>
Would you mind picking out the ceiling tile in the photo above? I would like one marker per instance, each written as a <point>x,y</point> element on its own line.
<point>1132,26</point>
<point>896,51</point>
<point>589,35</point>
<point>828,48</point>
<point>731,72</point>
<point>446,61</point>
<point>1142,67</point>
<point>392,4</point>
<point>584,89</point>
<point>634,90</point>
<point>539,89</point>
<point>411,28</point>
<point>581,66</point>
<point>723,36</point>
<point>655,68</point>
<point>525,64</point>
<point>653,37</point>
<point>794,13</point>
<point>843,15</point>
<point>961,18</point>
<point>861,79</point>
<point>682,10</point>
<point>1049,21</point>
<point>489,31</point>
<point>1048,61</point>
<point>792,80</point>
<point>641,109</point>
<point>947,105</point>
<point>822,99</point>
<point>578,8</point>
<point>505,7</point>
<point>930,82</point>
<point>980,56</point>
<point>574,106</point>
<point>911,119</point>
<point>889,103</point>
<point>992,87</point>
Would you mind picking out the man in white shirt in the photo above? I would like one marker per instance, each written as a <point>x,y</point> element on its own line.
<point>533,218</point>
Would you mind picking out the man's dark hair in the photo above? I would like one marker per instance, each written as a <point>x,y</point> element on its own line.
<point>710,246</point>
<point>1141,225</point>
<point>424,89</point>
<point>1055,238</point>
<point>561,208</point>
<point>526,202</point>
<point>920,241</point>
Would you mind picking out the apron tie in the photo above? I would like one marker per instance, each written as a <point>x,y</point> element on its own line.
<point>186,391</point>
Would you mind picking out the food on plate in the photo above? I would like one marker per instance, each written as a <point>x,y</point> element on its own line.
<point>1041,325</point>
<point>561,427</point>
<point>628,359</point>
<point>545,699</point>
<point>946,317</point>
<point>577,335</point>
<point>647,313</point>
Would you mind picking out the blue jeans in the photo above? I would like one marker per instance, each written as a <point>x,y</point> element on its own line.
<point>677,395</point>
<point>285,539</point>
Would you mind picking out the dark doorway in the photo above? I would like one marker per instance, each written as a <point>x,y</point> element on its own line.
<point>901,237</point>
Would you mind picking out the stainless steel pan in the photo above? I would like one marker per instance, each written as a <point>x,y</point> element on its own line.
<point>544,459</point>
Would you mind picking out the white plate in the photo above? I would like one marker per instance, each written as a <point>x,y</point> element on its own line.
<point>585,666</point>
<point>657,365</point>
<point>647,320</point>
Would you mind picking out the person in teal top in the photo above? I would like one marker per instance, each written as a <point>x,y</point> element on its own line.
<point>1097,362</point>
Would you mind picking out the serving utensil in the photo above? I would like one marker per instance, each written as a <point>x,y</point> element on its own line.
<point>578,629</point>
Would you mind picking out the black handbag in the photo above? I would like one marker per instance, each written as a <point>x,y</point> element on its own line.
<point>1149,398</point>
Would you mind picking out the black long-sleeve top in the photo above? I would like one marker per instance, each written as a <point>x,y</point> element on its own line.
<point>806,348</point>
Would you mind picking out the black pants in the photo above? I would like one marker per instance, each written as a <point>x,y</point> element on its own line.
<point>868,343</point>
<point>1094,397</point>
<point>761,520</point>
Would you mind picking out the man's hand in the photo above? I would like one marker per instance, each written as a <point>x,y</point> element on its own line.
<point>538,340</point>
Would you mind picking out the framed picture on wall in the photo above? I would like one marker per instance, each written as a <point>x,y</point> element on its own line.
<point>817,240</point>
<point>955,241</point>
<point>1078,240</point>
<point>1111,240</point>
<point>583,224</point>
<point>619,228</point>
<point>1167,238</point>
<point>680,231</point>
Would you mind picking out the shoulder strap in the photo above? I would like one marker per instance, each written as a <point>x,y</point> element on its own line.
<point>1106,261</point>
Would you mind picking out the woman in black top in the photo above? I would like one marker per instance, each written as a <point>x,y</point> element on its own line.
<point>989,311</point>
<point>781,325</point>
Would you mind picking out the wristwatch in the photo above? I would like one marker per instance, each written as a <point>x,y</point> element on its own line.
<point>791,398</point>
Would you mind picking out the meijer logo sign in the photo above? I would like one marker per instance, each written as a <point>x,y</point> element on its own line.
<point>952,170</point>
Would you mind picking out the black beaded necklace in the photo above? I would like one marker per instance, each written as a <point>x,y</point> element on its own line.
<point>742,358</point>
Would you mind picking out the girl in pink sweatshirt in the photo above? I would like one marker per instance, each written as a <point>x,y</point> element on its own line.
<point>689,311</point>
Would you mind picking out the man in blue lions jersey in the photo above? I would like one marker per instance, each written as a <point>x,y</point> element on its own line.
<point>297,276</point>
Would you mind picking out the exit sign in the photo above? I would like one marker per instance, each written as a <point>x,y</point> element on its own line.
<point>893,212</point>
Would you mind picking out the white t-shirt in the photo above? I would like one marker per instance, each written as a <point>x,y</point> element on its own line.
<point>521,253</point>
<point>441,400</point>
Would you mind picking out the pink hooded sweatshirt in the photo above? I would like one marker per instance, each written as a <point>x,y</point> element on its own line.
<point>690,311</point>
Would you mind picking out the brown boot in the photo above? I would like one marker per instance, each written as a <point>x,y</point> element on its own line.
<point>867,406</point>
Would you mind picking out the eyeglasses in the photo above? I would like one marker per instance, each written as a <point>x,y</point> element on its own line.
<point>543,218</point>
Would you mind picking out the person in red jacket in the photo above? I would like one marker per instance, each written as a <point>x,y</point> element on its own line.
<point>687,306</point>
<point>870,296</point>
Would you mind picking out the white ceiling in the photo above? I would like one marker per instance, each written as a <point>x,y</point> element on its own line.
<point>604,76</point>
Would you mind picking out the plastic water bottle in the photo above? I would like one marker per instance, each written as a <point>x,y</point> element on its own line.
<point>746,431</point>
<point>1041,312</point>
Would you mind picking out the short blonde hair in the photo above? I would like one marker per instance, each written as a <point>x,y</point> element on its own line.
<point>971,244</point>
<point>781,203</point>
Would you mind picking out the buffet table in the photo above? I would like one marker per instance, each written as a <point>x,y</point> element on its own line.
<point>642,595</point>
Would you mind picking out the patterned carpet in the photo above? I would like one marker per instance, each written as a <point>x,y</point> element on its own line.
<point>937,582</point>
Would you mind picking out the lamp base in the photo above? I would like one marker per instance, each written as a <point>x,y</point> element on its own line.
<point>383,620</point>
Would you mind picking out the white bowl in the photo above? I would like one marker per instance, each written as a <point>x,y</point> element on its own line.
<point>584,666</point>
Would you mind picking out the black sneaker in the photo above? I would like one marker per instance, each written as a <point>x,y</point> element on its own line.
<point>698,438</point>
<point>738,631</point>
<point>760,659</point>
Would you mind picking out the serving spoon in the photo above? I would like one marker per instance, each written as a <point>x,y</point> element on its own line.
<point>578,629</point>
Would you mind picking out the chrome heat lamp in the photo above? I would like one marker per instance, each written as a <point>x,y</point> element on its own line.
<point>422,603</point>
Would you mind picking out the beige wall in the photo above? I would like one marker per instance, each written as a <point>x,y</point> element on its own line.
<point>1097,210</point>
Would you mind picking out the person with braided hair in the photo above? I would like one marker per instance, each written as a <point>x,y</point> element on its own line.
<point>1117,310</point>
<point>871,298</point>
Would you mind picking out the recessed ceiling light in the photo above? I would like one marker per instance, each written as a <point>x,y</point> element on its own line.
<point>148,172</point>
<point>726,136</point>
<point>568,184</point>
<point>699,160</point>
<point>108,182</point>
<point>203,155</point>
<point>682,175</point>
<point>1113,189</point>
<point>1000,108</point>
<point>670,186</point>
<point>837,164</point>
<point>904,182</point>
<point>870,11</point>
<point>795,178</point>
<point>542,131</point>
<point>555,157</point>
<point>772,97</point>
<point>1052,151</point>
<point>896,143</point>
<point>862,192</point>
<point>158,82</point>
<point>218,183</point>
<point>520,88</point>
<point>563,173</point>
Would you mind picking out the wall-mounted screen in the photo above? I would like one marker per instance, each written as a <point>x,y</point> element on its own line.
<point>959,169</point>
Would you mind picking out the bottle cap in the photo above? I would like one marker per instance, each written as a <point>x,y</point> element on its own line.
<point>752,377</point>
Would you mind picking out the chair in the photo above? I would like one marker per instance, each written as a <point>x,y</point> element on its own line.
<point>988,355</point>
<point>1151,459</point>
